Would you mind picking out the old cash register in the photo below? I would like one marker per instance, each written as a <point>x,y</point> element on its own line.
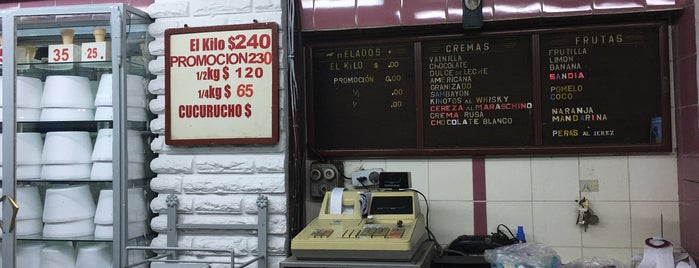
<point>393,230</point>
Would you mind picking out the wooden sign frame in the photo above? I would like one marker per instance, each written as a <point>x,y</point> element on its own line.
<point>222,85</point>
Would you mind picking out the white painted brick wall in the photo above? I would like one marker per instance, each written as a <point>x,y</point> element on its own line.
<point>217,184</point>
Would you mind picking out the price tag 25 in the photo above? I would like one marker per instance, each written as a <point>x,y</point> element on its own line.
<point>96,51</point>
<point>63,53</point>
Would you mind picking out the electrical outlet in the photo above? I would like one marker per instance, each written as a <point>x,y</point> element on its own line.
<point>371,177</point>
<point>323,177</point>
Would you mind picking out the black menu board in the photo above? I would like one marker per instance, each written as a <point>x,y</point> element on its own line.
<point>364,96</point>
<point>601,87</point>
<point>477,92</point>
<point>597,89</point>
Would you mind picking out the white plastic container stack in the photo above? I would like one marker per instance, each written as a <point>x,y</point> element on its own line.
<point>29,218</point>
<point>136,100</point>
<point>28,254</point>
<point>66,156</point>
<point>92,255</point>
<point>29,149</point>
<point>102,155</point>
<point>63,254</point>
<point>29,92</point>
<point>137,214</point>
<point>67,98</point>
<point>104,215</point>
<point>58,256</point>
<point>30,145</point>
<point>69,211</point>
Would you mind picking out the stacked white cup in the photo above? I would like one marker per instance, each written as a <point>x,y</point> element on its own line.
<point>136,99</point>
<point>30,146</point>
<point>66,156</point>
<point>94,254</point>
<point>69,211</point>
<point>29,218</point>
<point>104,215</point>
<point>27,252</point>
<point>29,92</point>
<point>55,256</point>
<point>137,214</point>
<point>102,155</point>
<point>29,149</point>
<point>67,98</point>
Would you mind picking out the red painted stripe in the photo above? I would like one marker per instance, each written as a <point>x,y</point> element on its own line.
<point>478,169</point>
<point>480,220</point>
<point>480,212</point>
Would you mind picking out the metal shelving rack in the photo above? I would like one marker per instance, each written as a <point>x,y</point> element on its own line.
<point>128,34</point>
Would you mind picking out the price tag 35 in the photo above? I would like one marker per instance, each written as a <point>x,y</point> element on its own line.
<point>63,53</point>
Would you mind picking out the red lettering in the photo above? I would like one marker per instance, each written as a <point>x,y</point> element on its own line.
<point>194,44</point>
<point>181,111</point>
<point>220,59</point>
<point>214,110</point>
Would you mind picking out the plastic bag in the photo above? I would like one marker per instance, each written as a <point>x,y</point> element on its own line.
<point>529,255</point>
<point>595,262</point>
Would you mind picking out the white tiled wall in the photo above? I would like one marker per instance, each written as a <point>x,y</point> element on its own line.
<point>645,221</point>
<point>508,180</point>
<point>613,229</point>
<point>450,180</point>
<point>554,179</point>
<point>540,194</point>
<point>612,173</point>
<point>653,178</point>
<point>554,224</point>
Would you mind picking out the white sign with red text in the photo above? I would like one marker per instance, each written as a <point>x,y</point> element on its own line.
<point>63,53</point>
<point>221,84</point>
<point>96,51</point>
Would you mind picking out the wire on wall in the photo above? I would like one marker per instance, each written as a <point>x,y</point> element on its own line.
<point>297,154</point>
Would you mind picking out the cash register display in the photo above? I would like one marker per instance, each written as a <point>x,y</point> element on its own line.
<point>391,205</point>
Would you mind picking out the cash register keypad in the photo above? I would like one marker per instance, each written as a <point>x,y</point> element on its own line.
<point>366,232</point>
<point>322,233</point>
